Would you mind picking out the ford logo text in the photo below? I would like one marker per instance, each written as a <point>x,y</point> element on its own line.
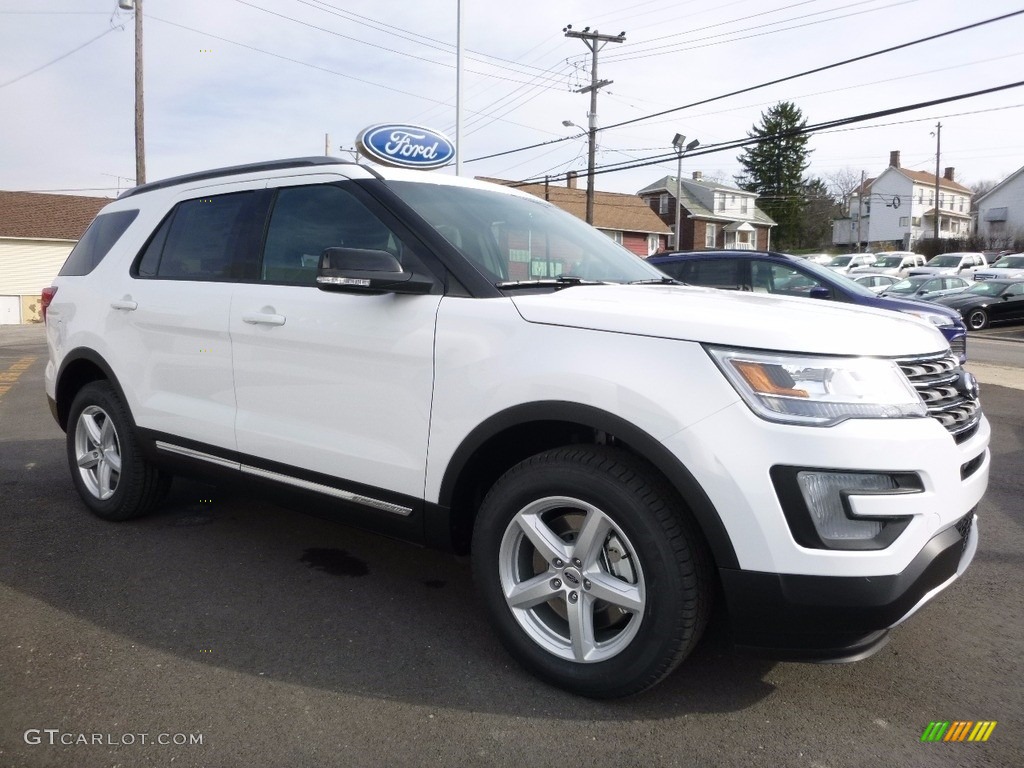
<point>406,146</point>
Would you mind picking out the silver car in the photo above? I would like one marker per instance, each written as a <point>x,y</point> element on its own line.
<point>926,287</point>
<point>892,263</point>
<point>1011,266</point>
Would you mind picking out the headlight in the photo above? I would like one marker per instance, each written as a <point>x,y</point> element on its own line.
<point>941,321</point>
<point>818,391</point>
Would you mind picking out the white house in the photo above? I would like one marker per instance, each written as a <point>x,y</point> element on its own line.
<point>897,209</point>
<point>37,232</point>
<point>1001,213</point>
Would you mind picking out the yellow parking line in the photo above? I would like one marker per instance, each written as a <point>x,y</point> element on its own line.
<point>13,373</point>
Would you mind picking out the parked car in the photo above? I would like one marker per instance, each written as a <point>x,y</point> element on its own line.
<point>817,258</point>
<point>892,263</point>
<point>1010,267</point>
<point>466,366</point>
<point>988,302</point>
<point>783,275</point>
<point>876,283</point>
<point>926,287</point>
<point>845,263</point>
<point>963,264</point>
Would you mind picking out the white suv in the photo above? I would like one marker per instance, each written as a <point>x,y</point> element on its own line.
<point>466,366</point>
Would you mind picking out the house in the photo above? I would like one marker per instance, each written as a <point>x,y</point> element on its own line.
<point>897,209</point>
<point>626,219</point>
<point>712,215</point>
<point>37,232</point>
<point>1001,213</point>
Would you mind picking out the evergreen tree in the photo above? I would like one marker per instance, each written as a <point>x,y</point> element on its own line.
<point>774,168</point>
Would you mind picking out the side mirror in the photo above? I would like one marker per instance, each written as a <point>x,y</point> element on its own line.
<point>362,270</point>
<point>820,292</point>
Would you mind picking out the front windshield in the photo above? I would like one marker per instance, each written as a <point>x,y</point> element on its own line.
<point>1010,262</point>
<point>944,261</point>
<point>513,238</point>
<point>840,261</point>
<point>985,289</point>
<point>888,261</point>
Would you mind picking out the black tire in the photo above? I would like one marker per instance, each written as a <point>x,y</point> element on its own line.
<point>619,518</point>
<point>977,319</point>
<point>114,479</point>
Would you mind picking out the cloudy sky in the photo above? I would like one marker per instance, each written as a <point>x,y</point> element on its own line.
<point>234,81</point>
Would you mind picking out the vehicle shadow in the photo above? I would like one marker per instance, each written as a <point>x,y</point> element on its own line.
<point>225,578</point>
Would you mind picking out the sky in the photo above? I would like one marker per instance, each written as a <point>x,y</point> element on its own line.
<point>237,81</point>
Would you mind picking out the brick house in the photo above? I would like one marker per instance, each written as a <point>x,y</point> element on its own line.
<point>625,218</point>
<point>712,215</point>
<point>37,232</point>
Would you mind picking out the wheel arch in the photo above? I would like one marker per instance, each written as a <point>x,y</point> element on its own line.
<point>80,367</point>
<point>524,430</point>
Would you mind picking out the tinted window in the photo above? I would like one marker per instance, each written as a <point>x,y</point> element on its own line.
<point>105,230</point>
<point>208,238</point>
<point>307,220</point>
<point>781,279</point>
<point>712,273</point>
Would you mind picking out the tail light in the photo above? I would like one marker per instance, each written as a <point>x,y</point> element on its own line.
<point>47,298</point>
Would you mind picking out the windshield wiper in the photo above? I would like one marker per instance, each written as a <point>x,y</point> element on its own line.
<point>562,281</point>
<point>657,281</point>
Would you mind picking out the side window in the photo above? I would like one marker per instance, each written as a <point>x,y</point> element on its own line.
<point>783,280</point>
<point>717,273</point>
<point>307,220</point>
<point>677,269</point>
<point>209,238</point>
<point>105,230</point>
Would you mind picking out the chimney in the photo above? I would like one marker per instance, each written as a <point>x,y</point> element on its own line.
<point>697,175</point>
<point>894,159</point>
<point>948,175</point>
<point>570,179</point>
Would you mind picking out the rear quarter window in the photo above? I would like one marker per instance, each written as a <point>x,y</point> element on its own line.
<point>105,230</point>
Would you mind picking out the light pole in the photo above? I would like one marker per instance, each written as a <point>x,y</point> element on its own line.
<point>679,142</point>
<point>140,136</point>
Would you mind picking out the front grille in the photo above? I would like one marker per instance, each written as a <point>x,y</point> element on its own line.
<point>963,527</point>
<point>944,387</point>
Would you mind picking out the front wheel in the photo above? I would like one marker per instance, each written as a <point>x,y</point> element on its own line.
<point>107,466</point>
<point>593,578</point>
<point>977,319</point>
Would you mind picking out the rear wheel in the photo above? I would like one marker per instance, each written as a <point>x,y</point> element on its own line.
<point>593,578</point>
<point>977,319</point>
<point>108,469</point>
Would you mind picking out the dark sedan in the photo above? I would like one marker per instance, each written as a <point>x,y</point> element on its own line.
<point>991,301</point>
<point>780,274</point>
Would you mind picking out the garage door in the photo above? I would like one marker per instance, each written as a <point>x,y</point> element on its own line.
<point>10,310</point>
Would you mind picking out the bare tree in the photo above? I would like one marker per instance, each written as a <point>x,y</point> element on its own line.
<point>842,184</point>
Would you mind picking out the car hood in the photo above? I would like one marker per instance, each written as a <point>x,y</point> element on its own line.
<point>733,319</point>
<point>995,274</point>
<point>959,301</point>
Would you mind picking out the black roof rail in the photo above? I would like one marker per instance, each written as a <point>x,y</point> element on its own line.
<point>270,165</point>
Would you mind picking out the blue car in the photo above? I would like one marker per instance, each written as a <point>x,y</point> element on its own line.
<point>783,275</point>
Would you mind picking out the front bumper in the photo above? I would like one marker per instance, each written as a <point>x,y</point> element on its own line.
<point>836,618</point>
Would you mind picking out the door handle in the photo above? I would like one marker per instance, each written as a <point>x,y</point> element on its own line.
<point>263,318</point>
<point>125,303</point>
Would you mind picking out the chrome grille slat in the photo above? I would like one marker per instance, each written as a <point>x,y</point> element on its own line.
<point>935,379</point>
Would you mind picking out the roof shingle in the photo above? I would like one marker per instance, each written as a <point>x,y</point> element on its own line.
<point>47,217</point>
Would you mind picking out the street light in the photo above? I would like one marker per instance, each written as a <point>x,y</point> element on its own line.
<point>679,142</point>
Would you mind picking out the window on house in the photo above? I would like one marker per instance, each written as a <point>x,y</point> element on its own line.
<point>744,202</point>
<point>904,221</point>
<point>743,238</point>
<point>710,235</point>
<point>663,203</point>
<point>653,244</point>
<point>916,220</point>
<point>614,235</point>
<point>920,197</point>
<point>721,202</point>
<point>961,204</point>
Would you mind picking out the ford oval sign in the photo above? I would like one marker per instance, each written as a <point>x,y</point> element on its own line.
<point>406,146</point>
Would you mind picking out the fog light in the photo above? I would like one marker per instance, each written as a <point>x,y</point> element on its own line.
<point>826,496</point>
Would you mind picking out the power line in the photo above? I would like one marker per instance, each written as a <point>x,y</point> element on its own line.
<point>59,58</point>
<point>805,73</point>
<point>815,128</point>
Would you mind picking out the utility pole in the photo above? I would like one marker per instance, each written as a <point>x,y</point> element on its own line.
<point>860,209</point>
<point>458,88</point>
<point>140,134</point>
<point>938,151</point>
<point>595,42</point>
<point>327,144</point>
